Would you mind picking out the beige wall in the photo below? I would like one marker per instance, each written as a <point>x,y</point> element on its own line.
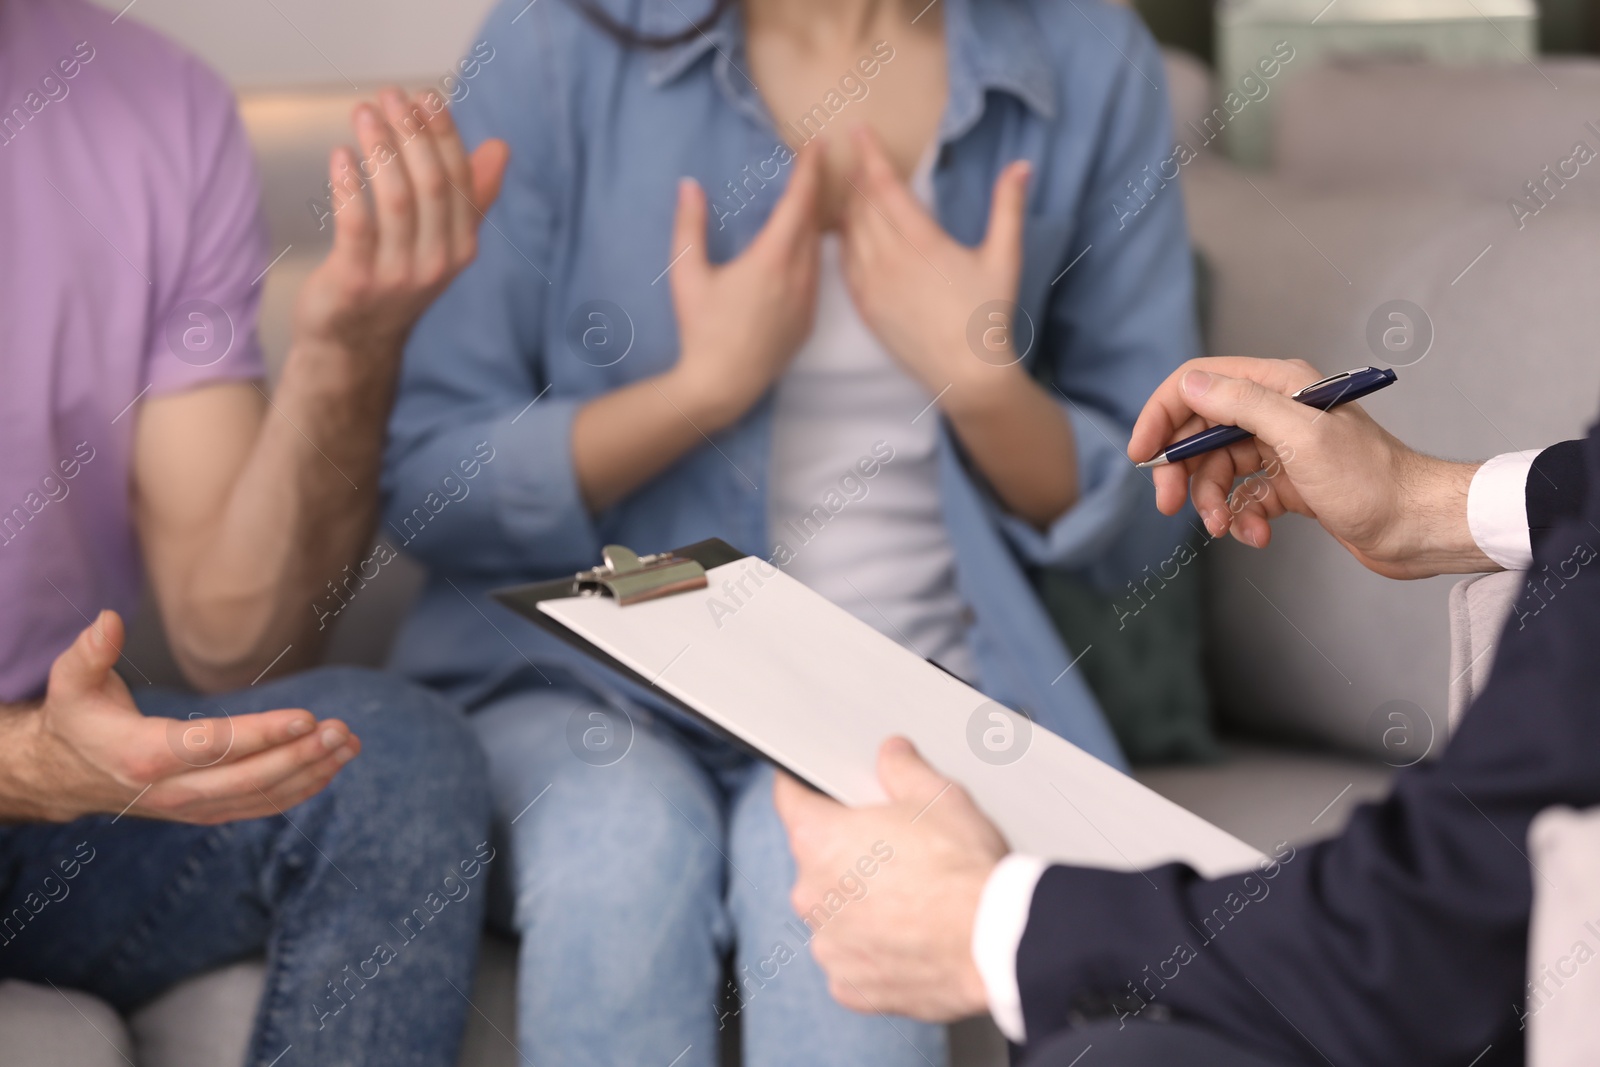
<point>274,43</point>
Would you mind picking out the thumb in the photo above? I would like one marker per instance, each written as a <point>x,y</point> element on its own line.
<point>798,803</point>
<point>1002,245</point>
<point>689,232</point>
<point>83,667</point>
<point>905,775</point>
<point>488,163</point>
<point>1271,416</point>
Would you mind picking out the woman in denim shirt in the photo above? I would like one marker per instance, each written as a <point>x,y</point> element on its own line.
<point>892,336</point>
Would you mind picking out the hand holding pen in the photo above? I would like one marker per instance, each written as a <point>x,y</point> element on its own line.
<point>1324,395</point>
<point>1399,512</point>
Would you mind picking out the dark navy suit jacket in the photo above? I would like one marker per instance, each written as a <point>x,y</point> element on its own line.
<point>1402,942</point>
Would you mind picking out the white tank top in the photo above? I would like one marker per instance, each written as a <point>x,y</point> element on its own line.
<point>876,546</point>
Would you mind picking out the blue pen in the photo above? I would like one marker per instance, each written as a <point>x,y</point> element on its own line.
<point>1328,393</point>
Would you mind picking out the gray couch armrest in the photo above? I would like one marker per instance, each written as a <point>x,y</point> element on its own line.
<point>1479,607</point>
<point>1563,985</point>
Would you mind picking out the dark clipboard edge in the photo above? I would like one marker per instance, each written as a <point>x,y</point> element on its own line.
<point>525,600</point>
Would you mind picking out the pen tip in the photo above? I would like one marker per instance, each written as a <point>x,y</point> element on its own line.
<point>1159,461</point>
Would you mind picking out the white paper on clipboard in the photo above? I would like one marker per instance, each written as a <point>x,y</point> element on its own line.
<point>818,691</point>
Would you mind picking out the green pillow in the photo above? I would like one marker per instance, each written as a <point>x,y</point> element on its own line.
<point>1146,669</point>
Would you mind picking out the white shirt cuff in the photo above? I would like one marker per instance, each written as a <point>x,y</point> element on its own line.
<point>1497,509</point>
<point>1002,917</point>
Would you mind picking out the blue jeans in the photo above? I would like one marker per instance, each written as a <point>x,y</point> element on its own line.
<point>639,853</point>
<point>367,899</point>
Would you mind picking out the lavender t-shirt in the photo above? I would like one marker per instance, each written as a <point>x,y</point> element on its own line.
<point>130,244</point>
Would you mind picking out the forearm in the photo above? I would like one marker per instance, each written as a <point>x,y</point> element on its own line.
<point>302,507</point>
<point>1021,442</point>
<point>623,439</point>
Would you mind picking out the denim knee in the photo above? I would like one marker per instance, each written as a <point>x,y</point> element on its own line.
<point>421,773</point>
<point>637,839</point>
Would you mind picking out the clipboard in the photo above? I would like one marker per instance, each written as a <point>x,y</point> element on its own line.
<point>639,578</point>
<point>787,676</point>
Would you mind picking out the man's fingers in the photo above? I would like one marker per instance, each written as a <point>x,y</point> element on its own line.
<point>1172,487</point>
<point>391,191</point>
<point>243,783</point>
<point>289,788</point>
<point>1255,503</point>
<point>295,788</point>
<point>182,805</point>
<point>354,235</point>
<point>1172,480</point>
<point>1212,477</point>
<point>1251,526</point>
<point>849,996</point>
<point>1262,492</point>
<point>1271,416</point>
<point>1209,486</point>
<point>489,161</point>
<point>905,775</point>
<point>205,742</point>
<point>431,252</point>
<point>1002,244</point>
<point>447,137</point>
<point>457,170</point>
<point>1174,401</point>
<point>798,804</point>
<point>83,667</point>
<point>784,797</point>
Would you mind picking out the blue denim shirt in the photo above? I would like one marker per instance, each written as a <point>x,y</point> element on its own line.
<point>599,136</point>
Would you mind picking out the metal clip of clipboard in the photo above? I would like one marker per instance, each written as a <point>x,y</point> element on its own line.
<point>631,578</point>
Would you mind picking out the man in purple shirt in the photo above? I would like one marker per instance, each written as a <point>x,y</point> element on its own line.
<point>138,445</point>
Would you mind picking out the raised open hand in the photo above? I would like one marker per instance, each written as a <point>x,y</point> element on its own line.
<point>392,257</point>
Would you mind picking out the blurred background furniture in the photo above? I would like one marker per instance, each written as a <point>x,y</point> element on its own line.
<point>1190,25</point>
<point>1473,32</point>
<point>1388,181</point>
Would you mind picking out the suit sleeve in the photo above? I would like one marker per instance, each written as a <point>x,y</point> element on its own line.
<point>1557,488</point>
<point>1402,941</point>
<point>1515,497</point>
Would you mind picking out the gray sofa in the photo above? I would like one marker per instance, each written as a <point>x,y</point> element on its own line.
<point>1387,183</point>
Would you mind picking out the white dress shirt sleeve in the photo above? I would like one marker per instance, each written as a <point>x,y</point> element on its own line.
<point>1497,509</point>
<point>1002,917</point>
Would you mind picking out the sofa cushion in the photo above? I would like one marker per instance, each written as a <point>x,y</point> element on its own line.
<point>202,1022</point>
<point>1264,795</point>
<point>1416,126</point>
<point>206,1022</point>
<point>1149,676</point>
<point>45,1027</point>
